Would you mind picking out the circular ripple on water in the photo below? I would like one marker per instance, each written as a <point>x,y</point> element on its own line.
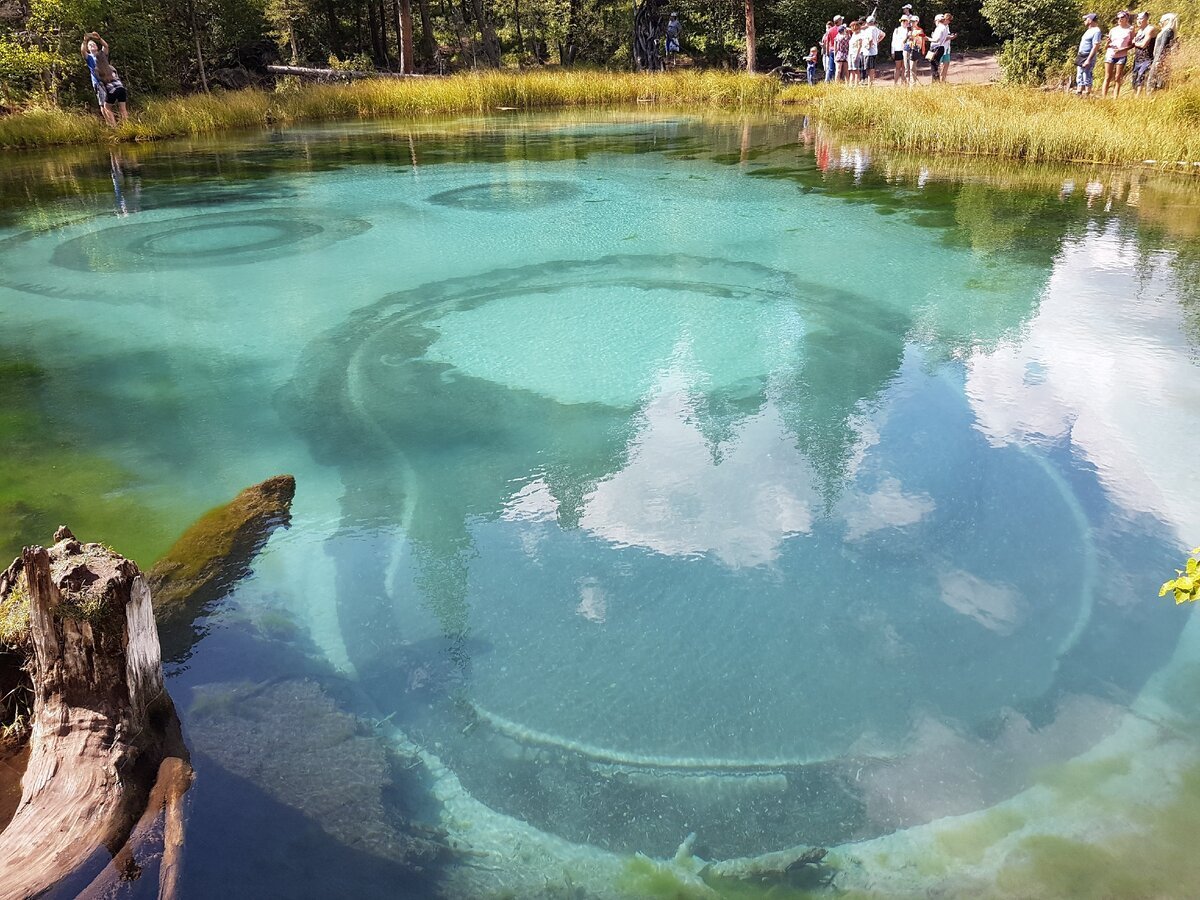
<point>207,239</point>
<point>508,196</point>
<point>434,402</point>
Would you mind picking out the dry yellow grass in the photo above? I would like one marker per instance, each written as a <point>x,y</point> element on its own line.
<point>1015,122</point>
<point>378,98</point>
<point>984,120</point>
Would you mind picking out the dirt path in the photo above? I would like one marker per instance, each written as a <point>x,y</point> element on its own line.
<point>972,67</point>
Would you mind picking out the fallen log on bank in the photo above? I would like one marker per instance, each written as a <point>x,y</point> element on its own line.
<point>102,793</point>
<point>337,74</point>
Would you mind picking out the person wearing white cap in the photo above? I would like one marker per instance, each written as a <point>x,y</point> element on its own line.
<point>1085,59</point>
<point>874,35</point>
<point>1120,39</point>
<point>915,49</point>
<point>939,47</point>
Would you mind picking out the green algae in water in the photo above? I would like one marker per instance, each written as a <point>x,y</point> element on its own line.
<point>1160,862</point>
<point>969,842</point>
<point>1079,778</point>
<point>49,478</point>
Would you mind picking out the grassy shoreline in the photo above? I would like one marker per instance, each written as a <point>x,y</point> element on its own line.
<point>482,92</point>
<point>979,120</point>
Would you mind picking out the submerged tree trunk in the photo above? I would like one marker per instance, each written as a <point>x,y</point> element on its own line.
<point>102,793</point>
<point>212,556</point>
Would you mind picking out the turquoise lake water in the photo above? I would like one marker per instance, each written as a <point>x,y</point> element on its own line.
<point>655,475</point>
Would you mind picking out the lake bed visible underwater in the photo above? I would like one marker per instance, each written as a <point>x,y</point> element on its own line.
<point>656,476</point>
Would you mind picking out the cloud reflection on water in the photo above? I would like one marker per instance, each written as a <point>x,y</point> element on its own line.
<point>1110,377</point>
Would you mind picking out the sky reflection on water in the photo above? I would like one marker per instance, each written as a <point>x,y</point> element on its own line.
<point>664,476</point>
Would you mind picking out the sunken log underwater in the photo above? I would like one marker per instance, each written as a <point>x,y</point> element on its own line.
<point>93,767</point>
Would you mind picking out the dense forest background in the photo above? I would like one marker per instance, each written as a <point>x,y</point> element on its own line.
<point>180,46</point>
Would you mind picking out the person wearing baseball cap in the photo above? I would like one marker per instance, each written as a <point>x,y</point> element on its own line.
<point>1120,39</point>
<point>1085,59</point>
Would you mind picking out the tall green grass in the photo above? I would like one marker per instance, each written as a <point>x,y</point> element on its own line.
<point>1018,123</point>
<point>377,98</point>
<point>983,120</point>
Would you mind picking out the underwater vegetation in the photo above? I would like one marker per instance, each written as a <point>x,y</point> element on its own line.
<point>49,477</point>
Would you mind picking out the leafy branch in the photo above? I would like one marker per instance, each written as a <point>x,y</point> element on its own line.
<point>1187,585</point>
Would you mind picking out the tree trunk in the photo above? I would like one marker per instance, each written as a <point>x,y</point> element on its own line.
<point>491,46</point>
<point>102,792</point>
<point>377,49</point>
<point>403,9</point>
<point>212,556</point>
<point>199,53</point>
<point>331,26</point>
<point>646,33</point>
<point>570,50</point>
<point>751,37</point>
<point>517,20</point>
<point>389,60</point>
<point>428,43</point>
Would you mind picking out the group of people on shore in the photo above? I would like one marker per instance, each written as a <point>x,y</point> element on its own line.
<point>106,83</point>
<point>850,52</point>
<point>1148,43</point>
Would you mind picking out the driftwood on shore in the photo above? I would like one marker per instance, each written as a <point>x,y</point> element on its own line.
<point>102,793</point>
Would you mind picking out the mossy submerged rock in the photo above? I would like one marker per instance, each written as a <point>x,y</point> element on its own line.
<point>212,556</point>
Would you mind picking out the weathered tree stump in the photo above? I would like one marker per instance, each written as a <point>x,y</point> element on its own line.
<point>102,794</point>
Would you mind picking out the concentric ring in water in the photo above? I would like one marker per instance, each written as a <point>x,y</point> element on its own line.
<point>691,516</point>
<point>509,195</point>
<point>146,244</point>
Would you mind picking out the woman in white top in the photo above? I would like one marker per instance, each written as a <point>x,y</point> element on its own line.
<point>1120,39</point>
<point>899,40</point>
<point>940,41</point>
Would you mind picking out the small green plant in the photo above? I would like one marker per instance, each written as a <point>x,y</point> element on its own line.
<point>1187,583</point>
<point>14,616</point>
<point>359,62</point>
